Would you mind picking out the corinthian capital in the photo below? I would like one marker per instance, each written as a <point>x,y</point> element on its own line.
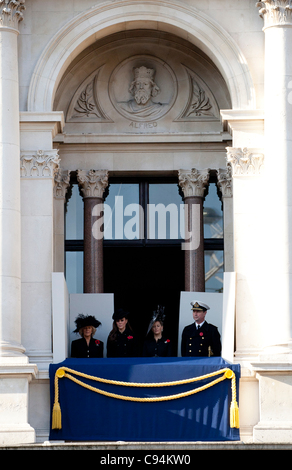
<point>193,182</point>
<point>275,12</point>
<point>92,182</point>
<point>11,12</point>
<point>224,181</point>
<point>41,164</point>
<point>245,162</point>
<point>62,181</point>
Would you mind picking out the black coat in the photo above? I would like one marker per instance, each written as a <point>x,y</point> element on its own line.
<point>125,345</point>
<point>197,342</point>
<point>161,348</point>
<point>79,348</point>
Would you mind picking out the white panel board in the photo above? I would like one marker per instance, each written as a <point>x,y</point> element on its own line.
<point>214,315</point>
<point>228,320</point>
<point>99,305</point>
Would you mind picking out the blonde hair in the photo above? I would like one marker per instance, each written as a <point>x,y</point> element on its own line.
<point>92,333</point>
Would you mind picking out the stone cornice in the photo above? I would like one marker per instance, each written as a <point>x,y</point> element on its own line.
<point>11,12</point>
<point>92,182</point>
<point>245,162</point>
<point>276,12</point>
<point>193,182</point>
<point>39,164</point>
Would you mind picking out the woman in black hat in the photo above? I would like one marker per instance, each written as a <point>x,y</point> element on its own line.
<point>87,346</point>
<point>156,344</point>
<point>121,341</point>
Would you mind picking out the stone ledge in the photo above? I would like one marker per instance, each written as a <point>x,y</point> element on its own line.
<point>170,447</point>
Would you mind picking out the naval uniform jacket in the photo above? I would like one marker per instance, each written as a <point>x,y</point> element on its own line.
<point>161,348</point>
<point>196,342</point>
<point>125,345</point>
<point>79,348</point>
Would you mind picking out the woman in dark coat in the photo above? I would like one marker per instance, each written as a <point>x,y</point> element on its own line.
<point>121,341</point>
<point>157,345</point>
<point>87,346</point>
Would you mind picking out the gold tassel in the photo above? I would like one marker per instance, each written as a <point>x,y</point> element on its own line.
<point>234,415</point>
<point>56,417</point>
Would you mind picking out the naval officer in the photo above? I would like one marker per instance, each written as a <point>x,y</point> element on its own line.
<point>200,338</point>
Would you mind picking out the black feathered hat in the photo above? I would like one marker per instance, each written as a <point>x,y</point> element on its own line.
<point>82,321</point>
<point>120,313</point>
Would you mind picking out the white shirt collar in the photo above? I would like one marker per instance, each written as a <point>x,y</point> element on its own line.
<point>200,324</point>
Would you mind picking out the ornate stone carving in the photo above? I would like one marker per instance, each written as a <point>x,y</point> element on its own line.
<point>92,182</point>
<point>193,182</point>
<point>201,104</point>
<point>43,163</point>
<point>275,12</point>
<point>11,12</point>
<point>143,88</point>
<point>85,105</point>
<point>62,182</point>
<point>224,181</point>
<point>245,161</point>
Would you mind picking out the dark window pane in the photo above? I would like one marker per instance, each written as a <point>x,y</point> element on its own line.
<point>165,212</point>
<point>122,212</point>
<point>213,215</point>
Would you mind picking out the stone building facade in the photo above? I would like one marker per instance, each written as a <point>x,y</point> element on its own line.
<point>193,93</point>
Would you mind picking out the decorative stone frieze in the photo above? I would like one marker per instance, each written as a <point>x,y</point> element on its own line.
<point>92,182</point>
<point>224,181</point>
<point>62,181</point>
<point>41,164</point>
<point>193,182</point>
<point>245,162</point>
<point>275,12</point>
<point>11,12</point>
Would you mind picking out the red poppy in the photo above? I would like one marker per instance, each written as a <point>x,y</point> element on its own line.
<point>130,337</point>
<point>167,341</point>
<point>97,342</point>
<point>201,334</point>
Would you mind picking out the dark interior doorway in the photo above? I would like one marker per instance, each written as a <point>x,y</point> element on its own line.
<point>142,278</point>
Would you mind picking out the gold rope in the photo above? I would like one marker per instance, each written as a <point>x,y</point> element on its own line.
<point>62,372</point>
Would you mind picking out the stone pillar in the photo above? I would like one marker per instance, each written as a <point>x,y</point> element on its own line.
<point>193,183</point>
<point>249,256</point>
<point>62,181</point>
<point>224,184</point>
<point>277,15</point>
<point>10,262</point>
<point>93,184</point>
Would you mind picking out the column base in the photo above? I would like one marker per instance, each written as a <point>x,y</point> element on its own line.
<point>15,375</point>
<point>16,434</point>
<point>273,433</point>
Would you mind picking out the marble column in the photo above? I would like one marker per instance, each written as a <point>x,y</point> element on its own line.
<point>193,183</point>
<point>93,184</point>
<point>62,182</point>
<point>10,262</point>
<point>277,15</point>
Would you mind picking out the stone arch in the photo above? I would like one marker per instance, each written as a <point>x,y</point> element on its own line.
<point>109,17</point>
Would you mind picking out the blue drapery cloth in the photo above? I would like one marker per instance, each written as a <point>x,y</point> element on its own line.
<point>89,416</point>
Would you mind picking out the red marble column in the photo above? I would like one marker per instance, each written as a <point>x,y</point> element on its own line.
<point>193,183</point>
<point>93,184</point>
